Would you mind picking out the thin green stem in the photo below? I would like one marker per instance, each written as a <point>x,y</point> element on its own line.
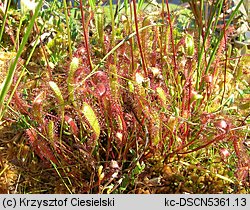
<point>4,20</point>
<point>212,57</point>
<point>112,22</point>
<point>68,27</point>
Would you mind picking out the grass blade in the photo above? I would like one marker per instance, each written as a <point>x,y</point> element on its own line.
<point>8,80</point>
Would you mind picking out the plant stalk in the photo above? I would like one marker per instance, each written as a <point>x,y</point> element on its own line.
<point>139,41</point>
<point>86,42</point>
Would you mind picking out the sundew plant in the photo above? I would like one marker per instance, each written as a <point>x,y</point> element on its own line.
<point>124,97</point>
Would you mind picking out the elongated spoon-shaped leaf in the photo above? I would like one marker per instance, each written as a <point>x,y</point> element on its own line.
<point>70,81</point>
<point>189,45</point>
<point>92,119</point>
<point>60,99</point>
<point>57,92</point>
<point>162,95</point>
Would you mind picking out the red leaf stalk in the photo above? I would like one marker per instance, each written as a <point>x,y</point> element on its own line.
<point>225,64</point>
<point>139,41</point>
<point>85,36</point>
